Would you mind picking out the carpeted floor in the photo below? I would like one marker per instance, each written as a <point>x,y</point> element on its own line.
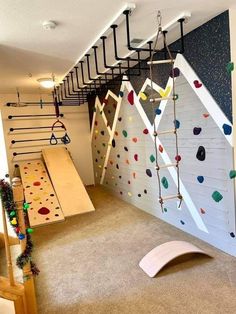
<point>89,264</point>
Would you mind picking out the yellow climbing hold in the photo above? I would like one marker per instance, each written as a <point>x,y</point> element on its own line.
<point>100,166</point>
<point>165,92</point>
<point>143,96</point>
<point>130,119</point>
<point>96,131</point>
<point>14,221</point>
<point>129,193</point>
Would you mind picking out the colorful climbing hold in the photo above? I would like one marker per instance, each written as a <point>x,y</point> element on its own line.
<point>200,179</point>
<point>178,158</point>
<point>217,197</point>
<point>197,84</point>
<point>134,175</point>
<point>197,131</point>
<point>134,139</point>
<point>130,119</point>
<point>131,97</point>
<point>111,162</point>
<point>232,174</point>
<point>149,173</point>
<point>176,124</point>
<point>44,211</point>
<point>158,111</point>
<point>160,148</point>
<point>121,94</point>
<point>14,221</point>
<point>129,193</point>
<point>143,96</point>
<point>166,92</point>
<point>21,236</point>
<point>165,209</point>
<point>164,182</point>
<point>202,210</point>
<point>116,133</point>
<point>230,67</point>
<point>136,157</point>
<point>127,161</point>
<point>12,214</point>
<point>125,133</point>
<point>227,129</point>
<point>152,158</point>
<point>206,115</point>
<point>201,153</point>
<point>145,131</point>
<point>175,72</point>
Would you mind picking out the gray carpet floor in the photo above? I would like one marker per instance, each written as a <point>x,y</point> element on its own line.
<point>89,264</point>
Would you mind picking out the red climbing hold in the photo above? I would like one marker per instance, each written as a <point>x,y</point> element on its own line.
<point>205,115</point>
<point>202,211</point>
<point>131,97</point>
<point>134,175</point>
<point>44,211</point>
<point>134,139</point>
<point>96,123</point>
<point>197,84</point>
<point>116,133</point>
<point>160,149</point>
<point>36,183</point>
<point>136,157</point>
<point>178,158</point>
<point>145,131</point>
<point>111,162</point>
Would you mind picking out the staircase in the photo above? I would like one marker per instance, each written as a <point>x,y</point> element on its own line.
<point>16,296</point>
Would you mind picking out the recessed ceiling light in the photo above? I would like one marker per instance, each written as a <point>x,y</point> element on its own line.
<point>46,82</point>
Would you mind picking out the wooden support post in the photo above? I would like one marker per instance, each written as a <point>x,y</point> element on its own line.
<point>30,295</point>
<point>7,249</point>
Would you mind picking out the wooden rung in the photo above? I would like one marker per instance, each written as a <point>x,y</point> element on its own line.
<point>166,132</point>
<point>167,166</point>
<point>161,61</point>
<point>160,99</point>
<point>165,198</point>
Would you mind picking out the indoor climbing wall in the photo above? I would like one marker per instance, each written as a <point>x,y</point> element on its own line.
<point>44,207</point>
<point>205,148</point>
<point>100,139</point>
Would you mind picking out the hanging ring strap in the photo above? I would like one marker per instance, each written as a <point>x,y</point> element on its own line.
<point>59,122</point>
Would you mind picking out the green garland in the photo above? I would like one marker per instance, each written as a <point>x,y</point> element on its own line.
<point>9,205</point>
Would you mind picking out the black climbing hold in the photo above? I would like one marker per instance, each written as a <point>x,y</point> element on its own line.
<point>145,191</point>
<point>201,153</point>
<point>117,166</point>
<point>102,132</point>
<point>200,179</point>
<point>182,222</point>
<point>197,131</point>
<point>126,149</point>
<point>119,119</point>
<point>98,151</point>
<point>118,156</point>
<point>139,195</point>
<point>113,143</point>
<point>232,234</point>
<point>149,173</point>
<point>176,124</point>
<point>120,177</point>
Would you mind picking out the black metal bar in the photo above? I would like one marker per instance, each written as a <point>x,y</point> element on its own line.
<point>59,88</point>
<point>25,153</point>
<point>80,97</point>
<point>35,115</point>
<point>181,21</point>
<point>33,128</point>
<point>82,73</point>
<point>30,103</point>
<point>33,140</point>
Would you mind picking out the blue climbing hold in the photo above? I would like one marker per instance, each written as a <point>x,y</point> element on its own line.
<point>200,179</point>
<point>121,94</point>
<point>197,131</point>
<point>176,124</point>
<point>182,222</point>
<point>227,129</point>
<point>158,111</point>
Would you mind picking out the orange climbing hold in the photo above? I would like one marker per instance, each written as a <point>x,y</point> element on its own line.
<point>160,149</point>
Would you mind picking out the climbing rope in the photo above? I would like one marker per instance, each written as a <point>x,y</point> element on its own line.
<point>155,133</point>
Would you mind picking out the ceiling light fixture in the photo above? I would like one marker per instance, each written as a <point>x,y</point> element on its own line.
<point>46,82</point>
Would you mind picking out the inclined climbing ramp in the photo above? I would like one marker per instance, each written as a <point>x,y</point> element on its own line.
<point>39,194</point>
<point>66,181</point>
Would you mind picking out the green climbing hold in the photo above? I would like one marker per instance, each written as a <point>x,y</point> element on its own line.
<point>26,206</point>
<point>125,133</point>
<point>230,67</point>
<point>165,183</point>
<point>165,210</point>
<point>152,158</point>
<point>217,197</point>
<point>175,97</point>
<point>30,230</point>
<point>232,174</point>
<point>12,214</point>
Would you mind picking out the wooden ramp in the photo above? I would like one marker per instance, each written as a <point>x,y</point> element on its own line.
<point>161,255</point>
<point>68,186</point>
<point>39,193</point>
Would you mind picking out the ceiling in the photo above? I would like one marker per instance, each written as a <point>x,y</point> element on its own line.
<point>28,52</point>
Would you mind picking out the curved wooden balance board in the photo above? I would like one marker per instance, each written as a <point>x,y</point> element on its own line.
<point>39,194</point>
<point>66,181</point>
<point>161,255</point>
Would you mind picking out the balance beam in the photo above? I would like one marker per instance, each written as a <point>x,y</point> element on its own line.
<point>39,194</point>
<point>66,181</point>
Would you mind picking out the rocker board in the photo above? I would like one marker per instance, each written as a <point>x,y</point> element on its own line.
<point>161,255</point>
<point>66,181</point>
<point>39,193</point>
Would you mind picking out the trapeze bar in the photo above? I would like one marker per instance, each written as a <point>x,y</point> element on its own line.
<point>26,153</point>
<point>33,128</point>
<point>161,61</point>
<point>167,166</point>
<point>167,132</point>
<point>35,115</point>
<point>33,140</point>
<point>160,99</point>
